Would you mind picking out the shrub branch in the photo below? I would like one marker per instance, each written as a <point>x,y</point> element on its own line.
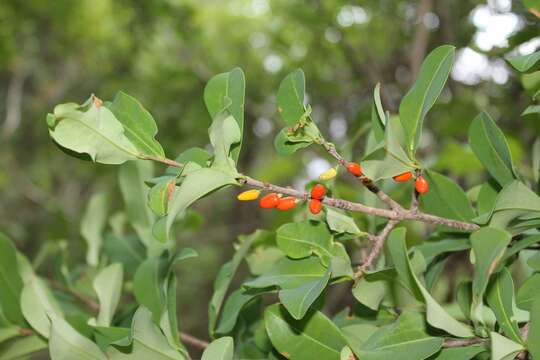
<point>397,213</point>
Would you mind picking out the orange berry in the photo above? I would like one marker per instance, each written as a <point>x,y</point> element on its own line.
<point>269,201</point>
<point>406,176</point>
<point>315,206</point>
<point>354,168</point>
<point>286,203</point>
<point>318,192</point>
<point>421,185</point>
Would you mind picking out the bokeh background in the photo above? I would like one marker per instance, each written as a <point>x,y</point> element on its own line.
<point>163,51</point>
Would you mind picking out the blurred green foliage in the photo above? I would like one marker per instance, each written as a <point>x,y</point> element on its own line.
<point>163,52</point>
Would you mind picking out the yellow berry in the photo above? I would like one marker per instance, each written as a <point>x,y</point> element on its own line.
<point>328,174</point>
<point>248,195</point>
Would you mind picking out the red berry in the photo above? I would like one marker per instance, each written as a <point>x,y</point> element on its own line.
<point>318,192</point>
<point>354,168</point>
<point>315,206</point>
<point>421,185</point>
<point>286,203</point>
<point>406,176</point>
<point>269,201</point>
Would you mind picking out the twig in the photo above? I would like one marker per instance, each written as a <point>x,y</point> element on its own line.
<point>397,214</point>
<point>452,343</point>
<point>193,341</point>
<point>14,98</point>
<point>524,335</point>
<point>378,243</point>
<point>367,182</point>
<point>421,38</point>
<point>89,303</point>
<point>414,201</point>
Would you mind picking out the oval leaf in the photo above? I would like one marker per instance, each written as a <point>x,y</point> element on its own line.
<point>225,92</point>
<point>220,349</point>
<point>423,94</point>
<point>489,145</point>
<point>139,125</point>
<point>290,97</point>
<point>93,130</point>
<point>66,343</point>
<point>313,337</point>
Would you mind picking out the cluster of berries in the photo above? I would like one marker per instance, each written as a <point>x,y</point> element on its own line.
<point>317,194</point>
<point>274,200</point>
<point>421,184</point>
<point>269,201</point>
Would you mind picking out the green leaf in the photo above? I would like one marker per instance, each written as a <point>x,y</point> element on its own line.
<point>160,195</point>
<point>148,341</point>
<point>89,129</point>
<point>169,317</point>
<point>288,273</point>
<point>224,132</point>
<point>436,315</point>
<point>488,245</point>
<point>406,336</point>
<point>105,336</point>
<point>290,97</point>
<point>388,158</point>
<point>300,281</point>
<point>422,96</point>
<point>533,345</point>
<point>523,63</point>
<point>301,239</point>
<point>531,109</point>
<point>263,253</point>
<point>108,287</point>
<point>148,285</point>
<point>340,263</point>
<point>66,343</point>
<point>356,332</point>
<point>10,282</point>
<point>21,348</point>
<point>139,125</point>
<point>313,337</point>
<point>38,304</point>
<point>500,297</point>
<point>503,348</point>
<point>378,104</point>
<point>298,300</point>
<point>284,146</point>
<point>536,161</point>
<point>196,185</point>
<point>92,226</point>
<point>528,292</point>
<point>225,93</point>
<point>517,246</point>
<point>131,177</point>
<point>490,147</point>
<point>341,223</point>
<point>8,332</point>
<point>346,354</point>
<point>534,261</point>
<point>460,353</point>
<point>514,200</point>
<point>126,249</point>
<point>487,197</point>
<point>232,308</point>
<point>446,198</point>
<point>220,349</point>
<point>431,249</point>
<point>372,288</point>
<point>224,279</point>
